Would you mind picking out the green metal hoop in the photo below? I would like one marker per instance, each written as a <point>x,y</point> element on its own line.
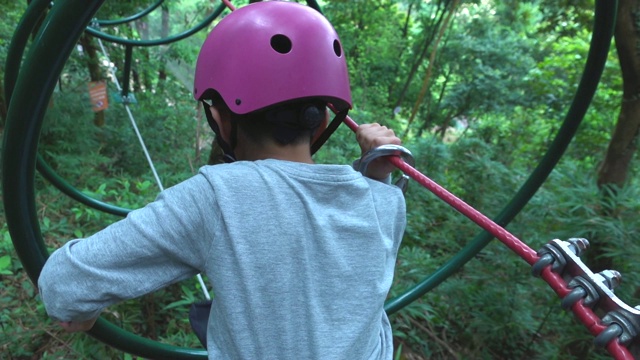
<point>134,17</point>
<point>164,41</point>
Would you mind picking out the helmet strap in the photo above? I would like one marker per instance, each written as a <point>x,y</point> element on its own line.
<point>227,149</point>
<point>337,120</point>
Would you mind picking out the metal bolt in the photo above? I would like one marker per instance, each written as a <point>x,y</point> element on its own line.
<point>578,245</point>
<point>611,278</point>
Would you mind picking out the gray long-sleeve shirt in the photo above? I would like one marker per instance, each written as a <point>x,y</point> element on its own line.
<point>300,258</point>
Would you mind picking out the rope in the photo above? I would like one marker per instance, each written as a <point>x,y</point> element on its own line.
<point>585,314</point>
<point>112,71</point>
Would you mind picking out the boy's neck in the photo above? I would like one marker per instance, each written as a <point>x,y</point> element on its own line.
<point>297,153</point>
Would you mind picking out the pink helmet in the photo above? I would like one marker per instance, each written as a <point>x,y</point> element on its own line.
<point>271,52</point>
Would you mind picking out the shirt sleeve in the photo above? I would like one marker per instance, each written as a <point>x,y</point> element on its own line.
<point>160,244</point>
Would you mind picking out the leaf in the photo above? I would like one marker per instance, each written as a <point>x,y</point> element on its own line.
<point>177,304</point>
<point>5,264</point>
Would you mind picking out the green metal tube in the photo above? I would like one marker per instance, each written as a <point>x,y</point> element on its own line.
<point>48,173</point>
<point>22,130</point>
<point>164,41</point>
<point>314,5</point>
<point>130,18</point>
<point>604,22</point>
<point>141,346</point>
<point>14,58</point>
<point>33,88</point>
<point>16,49</point>
<point>18,43</point>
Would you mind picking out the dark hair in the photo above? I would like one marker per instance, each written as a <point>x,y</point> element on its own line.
<point>291,123</point>
<point>286,123</point>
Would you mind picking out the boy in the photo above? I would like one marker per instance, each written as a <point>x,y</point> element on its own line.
<point>300,256</point>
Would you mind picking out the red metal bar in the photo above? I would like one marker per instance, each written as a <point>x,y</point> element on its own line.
<point>229,5</point>
<point>586,316</point>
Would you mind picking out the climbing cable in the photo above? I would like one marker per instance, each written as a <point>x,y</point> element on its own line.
<point>112,72</point>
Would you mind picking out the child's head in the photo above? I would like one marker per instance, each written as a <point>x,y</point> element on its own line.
<point>273,66</point>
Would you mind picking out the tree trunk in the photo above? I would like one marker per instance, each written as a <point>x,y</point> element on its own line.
<point>432,61</point>
<point>613,171</point>
<point>141,77</point>
<point>164,32</point>
<point>615,167</point>
<point>95,72</point>
<point>422,52</point>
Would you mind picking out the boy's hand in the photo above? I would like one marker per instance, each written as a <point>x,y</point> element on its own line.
<point>74,326</point>
<point>370,136</point>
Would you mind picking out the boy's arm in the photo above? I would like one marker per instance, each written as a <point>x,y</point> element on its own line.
<point>370,136</point>
<point>153,247</point>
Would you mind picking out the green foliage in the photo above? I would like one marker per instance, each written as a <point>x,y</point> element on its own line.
<point>485,65</point>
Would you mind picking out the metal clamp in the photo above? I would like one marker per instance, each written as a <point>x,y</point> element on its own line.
<point>387,150</point>
<point>596,290</point>
<point>553,254</point>
<point>623,324</point>
<point>583,288</point>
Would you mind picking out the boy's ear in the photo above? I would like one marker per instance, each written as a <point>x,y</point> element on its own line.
<point>223,119</point>
<point>321,128</point>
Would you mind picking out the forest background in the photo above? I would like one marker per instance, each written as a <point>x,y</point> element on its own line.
<point>476,89</point>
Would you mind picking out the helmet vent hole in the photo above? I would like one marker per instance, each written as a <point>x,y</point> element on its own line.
<point>281,43</point>
<point>337,48</point>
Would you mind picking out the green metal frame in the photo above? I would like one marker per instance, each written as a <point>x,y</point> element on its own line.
<point>29,93</point>
<point>164,41</point>
<point>134,17</point>
<point>16,49</point>
<point>19,42</point>
<point>33,85</point>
